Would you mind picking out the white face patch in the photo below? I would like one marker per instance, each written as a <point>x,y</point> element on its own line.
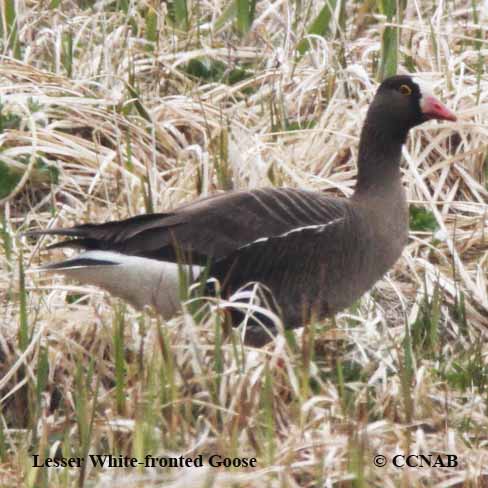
<point>425,90</point>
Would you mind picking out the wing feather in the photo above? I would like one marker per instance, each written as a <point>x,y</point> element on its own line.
<point>209,228</point>
<point>299,267</point>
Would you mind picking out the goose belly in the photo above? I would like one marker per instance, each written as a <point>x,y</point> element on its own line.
<point>140,281</point>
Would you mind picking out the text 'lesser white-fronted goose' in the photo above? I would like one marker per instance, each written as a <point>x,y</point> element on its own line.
<point>314,254</point>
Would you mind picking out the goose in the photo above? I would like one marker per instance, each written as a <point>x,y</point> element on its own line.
<point>310,254</point>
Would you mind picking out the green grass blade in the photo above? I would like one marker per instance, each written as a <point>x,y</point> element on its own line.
<point>6,240</point>
<point>9,15</point>
<point>320,26</point>
<point>229,13</point>
<point>119,358</point>
<point>181,14</point>
<point>407,374</point>
<point>151,27</point>
<point>23,333</point>
<point>389,42</point>
<point>245,15</point>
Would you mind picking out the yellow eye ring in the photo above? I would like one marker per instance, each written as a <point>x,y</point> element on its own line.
<point>405,90</point>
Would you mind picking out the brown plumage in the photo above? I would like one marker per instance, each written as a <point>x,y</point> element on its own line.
<point>314,254</point>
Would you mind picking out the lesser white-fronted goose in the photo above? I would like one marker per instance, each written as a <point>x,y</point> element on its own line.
<point>314,254</point>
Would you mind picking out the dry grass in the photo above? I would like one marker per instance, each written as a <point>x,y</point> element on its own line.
<point>105,121</point>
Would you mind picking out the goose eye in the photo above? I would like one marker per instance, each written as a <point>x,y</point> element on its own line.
<point>405,90</point>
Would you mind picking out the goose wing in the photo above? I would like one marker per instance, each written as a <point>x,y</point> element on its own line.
<point>207,229</point>
<point>300,267</point>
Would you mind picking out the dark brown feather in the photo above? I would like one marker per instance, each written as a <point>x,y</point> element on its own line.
<point>209,228</point>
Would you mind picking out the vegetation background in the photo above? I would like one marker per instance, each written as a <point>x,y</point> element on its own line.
<point>113,108</point>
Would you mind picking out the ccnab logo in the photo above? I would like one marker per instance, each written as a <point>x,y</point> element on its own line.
<point>425,461</point>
